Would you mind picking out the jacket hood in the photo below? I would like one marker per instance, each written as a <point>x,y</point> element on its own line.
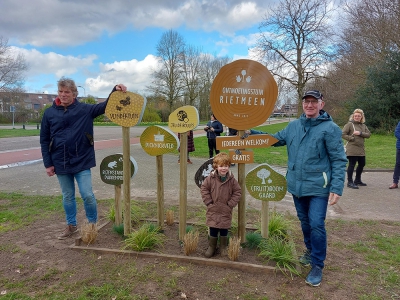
<point>323,116</point>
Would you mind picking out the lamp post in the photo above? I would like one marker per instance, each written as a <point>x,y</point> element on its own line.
<point>84,91</point>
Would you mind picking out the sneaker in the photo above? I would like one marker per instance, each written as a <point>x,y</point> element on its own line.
<point>314,278</point>
<point>305,259</point>
<point>70,230</point>
<point>360,183</point>
<point>352,185</point>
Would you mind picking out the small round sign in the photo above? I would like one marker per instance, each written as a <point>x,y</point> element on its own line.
<point>125,109</point>
<point>112,169</point>
<point>183,119</point>
<point>204,170</point>
<point>156,140</point>
<point>264,183</point>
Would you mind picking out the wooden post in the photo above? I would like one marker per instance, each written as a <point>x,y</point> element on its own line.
<point>264,218</point>
<point>242,202</point>
<point>160,191</point>
<point>183,185</point>
<point>127,179</point>
<point>118,206</point>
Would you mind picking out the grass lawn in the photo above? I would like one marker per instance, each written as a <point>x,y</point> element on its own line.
<point>380,149</point>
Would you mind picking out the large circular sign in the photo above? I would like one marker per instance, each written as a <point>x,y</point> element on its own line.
<point>125,109</point>
<point>243,94</point>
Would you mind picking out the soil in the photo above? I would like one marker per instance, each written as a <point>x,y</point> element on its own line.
<point>34,258</point>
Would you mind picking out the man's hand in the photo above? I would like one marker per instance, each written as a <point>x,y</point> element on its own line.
<point>333,198</point>
<point>121,87</point>
<point>50,171</point>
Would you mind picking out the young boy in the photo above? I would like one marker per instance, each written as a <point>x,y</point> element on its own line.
<point>220,192</point>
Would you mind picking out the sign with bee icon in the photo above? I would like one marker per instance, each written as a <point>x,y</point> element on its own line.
<point>125,109</point>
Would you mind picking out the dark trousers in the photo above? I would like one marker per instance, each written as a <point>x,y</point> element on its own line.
<point>353,160</point>
<point>396,173</point>
<point>214,232</point>
<point>212,146</point>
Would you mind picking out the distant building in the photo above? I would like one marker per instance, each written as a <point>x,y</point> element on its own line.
<point>30,101</point>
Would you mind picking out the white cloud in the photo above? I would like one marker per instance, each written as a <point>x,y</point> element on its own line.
<point>136,75</point>
<point>70,23</point>
<point>53,63</point>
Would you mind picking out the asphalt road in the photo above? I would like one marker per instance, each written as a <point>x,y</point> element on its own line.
<point>374,201</point>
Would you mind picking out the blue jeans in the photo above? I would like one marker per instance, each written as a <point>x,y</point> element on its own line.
<point>84,181</point>
<point>311,212</point>
<point>396,173</point>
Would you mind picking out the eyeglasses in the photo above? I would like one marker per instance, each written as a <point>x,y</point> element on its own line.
<point>313,101</point>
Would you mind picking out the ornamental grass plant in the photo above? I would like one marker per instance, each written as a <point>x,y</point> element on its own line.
<point>147,237</point>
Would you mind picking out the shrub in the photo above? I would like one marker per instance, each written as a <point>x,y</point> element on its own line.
<point>147,237</point>
<point>281,252</point>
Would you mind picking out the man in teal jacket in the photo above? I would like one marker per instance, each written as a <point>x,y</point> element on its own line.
<point>315,175</point>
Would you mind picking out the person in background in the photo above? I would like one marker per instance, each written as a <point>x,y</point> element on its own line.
<point>232,132</point>
<point>213,128</point>
<point>396,173</point>
<point>315,175</point>
<point>67,145</point>
<point>190,145</point>
<point>220,192</point>
<point>355,132</point>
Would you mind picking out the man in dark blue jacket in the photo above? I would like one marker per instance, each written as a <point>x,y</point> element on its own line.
<point>315,175</point>
<point>67,145</point>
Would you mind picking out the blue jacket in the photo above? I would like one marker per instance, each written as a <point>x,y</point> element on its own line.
<point>316,158</point>
<point>66,136</point>
<point>397,135</point>
<point>218,129</point>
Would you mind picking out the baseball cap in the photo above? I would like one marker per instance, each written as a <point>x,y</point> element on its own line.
<point>314,93</point>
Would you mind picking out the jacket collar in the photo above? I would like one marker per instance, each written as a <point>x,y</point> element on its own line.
<point>58,102</point>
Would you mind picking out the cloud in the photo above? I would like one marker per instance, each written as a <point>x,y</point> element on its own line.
<point>53,63</point>
<point>136,75</point>
<point>71,23</point>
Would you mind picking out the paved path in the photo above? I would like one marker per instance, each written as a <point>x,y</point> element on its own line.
<point>374,201</point>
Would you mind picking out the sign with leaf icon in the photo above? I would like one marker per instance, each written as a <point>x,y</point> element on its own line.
<point>264,183</point>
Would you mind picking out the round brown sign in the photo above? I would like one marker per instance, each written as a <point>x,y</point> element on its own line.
<point>243,94</point>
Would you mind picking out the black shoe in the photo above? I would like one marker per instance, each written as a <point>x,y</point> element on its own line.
<point>360,183</point>
<point>352,185</point>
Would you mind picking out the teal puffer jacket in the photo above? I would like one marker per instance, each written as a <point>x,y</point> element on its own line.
<point>316,158</point>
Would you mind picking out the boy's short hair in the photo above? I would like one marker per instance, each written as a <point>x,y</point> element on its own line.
<point>221,159</point>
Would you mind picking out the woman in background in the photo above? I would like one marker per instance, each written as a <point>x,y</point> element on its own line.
<point>355,132</point>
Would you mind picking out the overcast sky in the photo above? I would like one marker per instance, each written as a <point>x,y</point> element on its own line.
<point>101,43</point>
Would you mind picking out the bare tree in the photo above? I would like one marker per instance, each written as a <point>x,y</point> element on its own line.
<point>294,41</point>
<point>209,70</point>
<point>370,30</point>
<point>191,72</point>
<point>167,80</point>
<point>12,67</point>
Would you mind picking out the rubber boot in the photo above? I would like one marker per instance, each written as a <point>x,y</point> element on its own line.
<point>212,244</point>
<point>223,243</point>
